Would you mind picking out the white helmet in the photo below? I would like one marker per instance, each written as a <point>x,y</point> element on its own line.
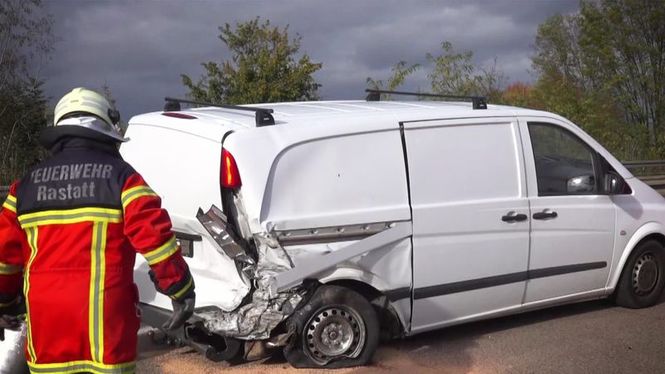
<point>87,109</point>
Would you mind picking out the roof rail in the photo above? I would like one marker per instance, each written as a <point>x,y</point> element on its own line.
<point>262,115</point>
<point>479,102</point>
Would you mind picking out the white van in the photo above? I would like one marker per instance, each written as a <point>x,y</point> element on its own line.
<point>327,224</point>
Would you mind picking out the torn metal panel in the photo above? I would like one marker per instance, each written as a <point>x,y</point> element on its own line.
<point>216,223</point>
<point>256,319</point>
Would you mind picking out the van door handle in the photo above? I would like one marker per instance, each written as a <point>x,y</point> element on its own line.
<point>514,217</point>
<point>545,215</point>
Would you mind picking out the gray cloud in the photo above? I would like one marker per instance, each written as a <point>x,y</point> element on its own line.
<point>140,48</point>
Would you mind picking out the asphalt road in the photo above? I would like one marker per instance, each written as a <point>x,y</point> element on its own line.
<point>593,337</point>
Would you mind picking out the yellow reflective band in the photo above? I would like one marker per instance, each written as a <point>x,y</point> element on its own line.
<point>96,301</point>
<point>7,269</point>
<point>32,234</point>
<point>63,217</point>
<point>83,366</point>
<point>134,193</point>
<point>10,204</point>
<point>184,290</point>
<point>162,253</point>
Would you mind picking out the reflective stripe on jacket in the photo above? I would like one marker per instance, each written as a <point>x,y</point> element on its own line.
<point>69,231</point>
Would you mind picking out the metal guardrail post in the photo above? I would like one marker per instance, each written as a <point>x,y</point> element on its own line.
<point>639,164</point>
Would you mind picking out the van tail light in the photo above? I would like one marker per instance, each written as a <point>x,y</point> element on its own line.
<point>230,177</point>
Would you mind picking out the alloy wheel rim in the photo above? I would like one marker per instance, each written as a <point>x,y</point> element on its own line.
<point>334,332</point>
<point>645,274</point>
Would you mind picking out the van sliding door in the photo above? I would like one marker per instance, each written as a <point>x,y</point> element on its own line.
<point>470,219</point>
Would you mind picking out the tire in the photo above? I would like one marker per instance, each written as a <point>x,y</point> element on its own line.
<point>336,328</point>
<point>643,277</point>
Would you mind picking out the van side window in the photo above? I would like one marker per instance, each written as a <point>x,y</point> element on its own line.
<point>564,163</point>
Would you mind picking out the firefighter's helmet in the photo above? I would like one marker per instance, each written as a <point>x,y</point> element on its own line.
<point>87,109</point>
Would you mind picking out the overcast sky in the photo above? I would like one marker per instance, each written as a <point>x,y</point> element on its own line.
<point>140,48</point>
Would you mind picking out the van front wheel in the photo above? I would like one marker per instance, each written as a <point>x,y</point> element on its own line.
<point>643,278</point>
<point>336,328</point>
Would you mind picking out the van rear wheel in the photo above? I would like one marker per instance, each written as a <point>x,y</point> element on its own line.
<point>336,328</point>
<point>643,277</point>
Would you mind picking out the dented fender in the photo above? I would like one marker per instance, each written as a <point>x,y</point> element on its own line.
<point>310,266</point>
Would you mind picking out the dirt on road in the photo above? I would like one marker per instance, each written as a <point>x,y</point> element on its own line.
<point>594,337</point>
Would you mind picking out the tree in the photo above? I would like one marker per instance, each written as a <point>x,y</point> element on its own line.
<point>612,50</point>
<point>596,114</point>
<point>400,71</point>
<point>452,73</point>
<point>455,73</point>
<point>25,41</point>
<point>519,94</point>
<point>264,67</point>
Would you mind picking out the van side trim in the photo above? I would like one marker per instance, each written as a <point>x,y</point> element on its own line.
<point>398,294</point>
<point>498,280</point>
<point>317,235</point>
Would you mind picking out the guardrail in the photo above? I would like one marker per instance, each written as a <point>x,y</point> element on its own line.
<point>650,167</point>
<point>651,172</point>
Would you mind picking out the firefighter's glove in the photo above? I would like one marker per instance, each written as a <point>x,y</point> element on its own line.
<point>183,308</point>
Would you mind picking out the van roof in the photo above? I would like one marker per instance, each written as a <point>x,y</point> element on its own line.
<point>287,112</point>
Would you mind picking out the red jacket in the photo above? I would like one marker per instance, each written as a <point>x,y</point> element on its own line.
<point>69,233</point>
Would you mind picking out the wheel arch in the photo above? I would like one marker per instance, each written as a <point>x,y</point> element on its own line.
<point>391,319</point>
<point>648,231</point>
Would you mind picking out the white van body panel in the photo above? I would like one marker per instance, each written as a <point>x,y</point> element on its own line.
<point>181,162</point>
<point>307,175</point>
<point>387,269</point>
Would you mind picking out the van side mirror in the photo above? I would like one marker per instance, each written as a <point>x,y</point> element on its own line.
<point>581,184</point>
<point>613,184</point>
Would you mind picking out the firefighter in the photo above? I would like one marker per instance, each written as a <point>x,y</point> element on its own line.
<point>69,231</point>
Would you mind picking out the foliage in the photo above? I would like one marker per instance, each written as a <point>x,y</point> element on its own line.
<point>454,73</point>
<point>25,41</point>
<point>400,71</point>
<point>611,58</point>
<point>264,67</point>
<point>595,113</point>
<point>603,68</point>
